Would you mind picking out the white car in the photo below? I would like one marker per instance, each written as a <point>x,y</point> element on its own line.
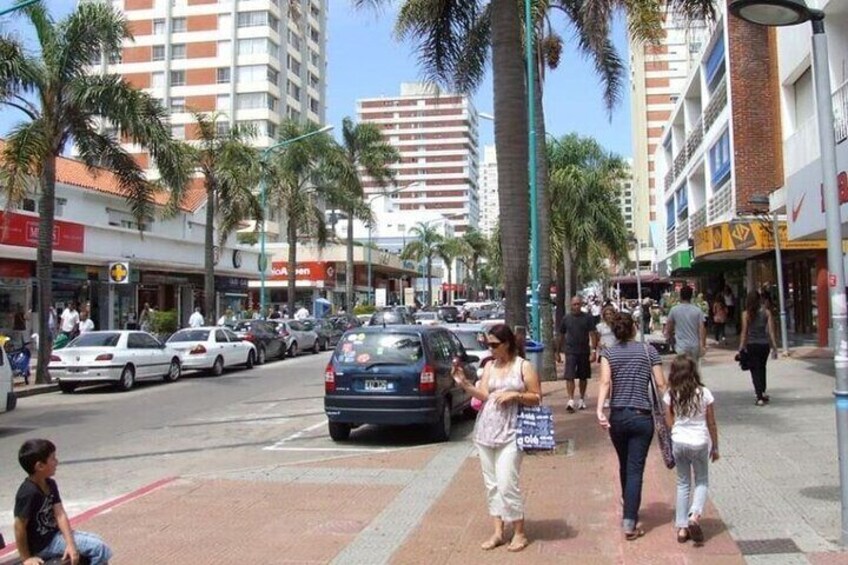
<point>473,338</point>
<point>299,337</point>
<point>212,349</point>
<point>119,357</point>
<point>427,318</point>
<point>8,400</point>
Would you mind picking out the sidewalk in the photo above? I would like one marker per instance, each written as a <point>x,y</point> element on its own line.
<point>774,495</point>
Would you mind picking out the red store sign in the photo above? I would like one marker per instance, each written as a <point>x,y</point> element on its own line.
<point>22,231</point>
<point>312,271</point>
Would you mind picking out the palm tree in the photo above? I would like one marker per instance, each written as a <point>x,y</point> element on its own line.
<point>449,250</point>
<point>229,170</point>
<point>298,186</point>
<point>423,248</point>
<point>62,102</point>
<point>476,247</point>
<point>364,150</point>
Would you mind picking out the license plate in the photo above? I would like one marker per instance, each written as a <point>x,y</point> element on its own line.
<point>376,386</point>
<point>77,369</point>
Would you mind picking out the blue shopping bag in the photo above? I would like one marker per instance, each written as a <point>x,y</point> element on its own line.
<point>535,426</point>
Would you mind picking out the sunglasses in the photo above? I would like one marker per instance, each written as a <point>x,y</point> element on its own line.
<point>494,344</point>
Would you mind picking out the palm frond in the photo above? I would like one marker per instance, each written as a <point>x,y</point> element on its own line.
<point>22,158</point>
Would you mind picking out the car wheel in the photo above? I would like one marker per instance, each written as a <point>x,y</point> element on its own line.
<point>251,359</point>
<point>127,378</point>
<point>293,349</point>
<point>339,431</point>
<point>441,430</point>
<point>316,347</point>
<point>260,359</point>
<point>174,371</point>
<point>67,387</point>
<point>325,345</point>
<point>218,367</point>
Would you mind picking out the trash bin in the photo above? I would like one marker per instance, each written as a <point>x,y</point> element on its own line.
<point>535,352</point>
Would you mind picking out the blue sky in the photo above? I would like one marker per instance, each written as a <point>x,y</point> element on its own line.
<point>366,61</point>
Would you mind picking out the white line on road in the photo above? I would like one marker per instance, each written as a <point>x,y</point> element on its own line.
<point>297,435</point>
<point>277,447</point>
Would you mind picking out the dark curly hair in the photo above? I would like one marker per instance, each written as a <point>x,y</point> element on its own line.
<point>623,327</point>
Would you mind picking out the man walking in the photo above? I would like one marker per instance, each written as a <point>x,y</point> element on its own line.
<point>196,319</point>
<point>686,326</point>
<point>579,341</point>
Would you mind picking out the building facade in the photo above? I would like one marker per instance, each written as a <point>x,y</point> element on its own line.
<point>436,135</point>
<point>489,200</point>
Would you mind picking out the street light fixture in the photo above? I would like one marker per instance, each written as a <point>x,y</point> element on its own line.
<point>263,192</point>
<point>781,300</point>
<point>371,226</point>
<point>793,12</point>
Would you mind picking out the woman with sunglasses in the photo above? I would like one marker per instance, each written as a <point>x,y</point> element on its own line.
<point>508,382</point>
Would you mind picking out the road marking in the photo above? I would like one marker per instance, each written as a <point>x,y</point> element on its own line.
<point>295,436</point>
<point>277,447</point>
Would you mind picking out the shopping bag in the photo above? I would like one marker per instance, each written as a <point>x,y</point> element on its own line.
<point>535,428</point>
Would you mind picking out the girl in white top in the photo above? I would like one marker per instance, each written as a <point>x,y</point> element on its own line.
<point>690,414</point>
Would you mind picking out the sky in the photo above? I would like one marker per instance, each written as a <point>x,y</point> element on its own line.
<point>365,61</point>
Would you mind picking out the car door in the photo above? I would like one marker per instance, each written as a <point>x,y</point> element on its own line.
<point>237,348</point>
<point>138,354</point>
<point>158,358</point>
<point>442,350</point>
<point>458,351</point>
<point>223,346</point>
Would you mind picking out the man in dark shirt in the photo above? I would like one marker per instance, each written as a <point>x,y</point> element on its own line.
<point>579,342</point>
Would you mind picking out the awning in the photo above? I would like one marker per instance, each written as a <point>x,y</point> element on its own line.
<point>742,239</point>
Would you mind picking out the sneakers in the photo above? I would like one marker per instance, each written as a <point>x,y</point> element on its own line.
<point>570,406</point>
<point>581,405</point>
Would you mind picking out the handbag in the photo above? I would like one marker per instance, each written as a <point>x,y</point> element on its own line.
<point>535,427</point>
<point>743,359</point>
<point>660,425</point>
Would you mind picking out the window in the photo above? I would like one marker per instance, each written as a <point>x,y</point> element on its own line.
<point>220,336</point>
<point>314,81</point>
<point>314,58</point>
<point>293,64</point>
<point>28,205</point>
<point>720,159</point>
<point>177,105</point>
<point>157,79</point>
<point>258,127</point>
<point>222,128</point>
<point>272,102</point>
<point>158,27</point>
<point>177,78</point>
<point>223,102</point>
<point>294,40</point>
<point>158,53</point>
<point>294,90</point>
<point>252,73</point>
<point>253,100</point>
<point>178,51</point>
<point>804,101</point>
<point>178,25</point>
<point>223,75</point>
<point>257,46</point>
<point>272,130</point>
<point>714,66</point>
<point>178,132</point>
<point>255,19</point>
<point>314,105</point>
<point>273,75</point>
<point>669,214</point>
<point>313,33</point>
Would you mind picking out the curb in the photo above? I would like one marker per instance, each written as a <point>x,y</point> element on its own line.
<point>33,390</point>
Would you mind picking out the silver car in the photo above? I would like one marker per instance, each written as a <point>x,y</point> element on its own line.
<point>298,336</point>
<point>119,357</point>
<point>212,349</point>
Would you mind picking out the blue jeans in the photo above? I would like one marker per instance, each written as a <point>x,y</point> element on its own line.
<point>89,545</point>
<point>631,432</point>
<point>691,461</point>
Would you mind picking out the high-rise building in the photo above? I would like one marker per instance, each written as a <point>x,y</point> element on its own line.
<point>626,197</point>
<point>255,62</point>
<point>489,201</point>
<point>436,135</point>
<point>658,74</point>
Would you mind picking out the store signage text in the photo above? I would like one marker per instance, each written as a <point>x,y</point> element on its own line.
<point>309,271</point>
<point>22,231</point>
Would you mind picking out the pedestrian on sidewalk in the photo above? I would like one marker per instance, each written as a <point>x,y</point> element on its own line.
<point>627,367</point>
<point>757,337</point>
<point>196,319</point>
<point>507,383</point>
<point>686,326</point>
<point>690,415</point>
<point>42,528</point>
<point>719,319</point>
<point>579,342</point>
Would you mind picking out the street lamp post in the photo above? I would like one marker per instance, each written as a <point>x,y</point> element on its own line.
<point>535,321</point>
<point>263,196</point>
<point>793,12</point>
<point>635,240</point>
<point>370,227</point>
<point>778,259</point>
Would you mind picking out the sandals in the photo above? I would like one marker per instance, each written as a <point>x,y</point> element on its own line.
<point>517,545</point>
<point>492,543</point>
<point>695,532</point>
<point>682,535</point>
<point>634,535</point>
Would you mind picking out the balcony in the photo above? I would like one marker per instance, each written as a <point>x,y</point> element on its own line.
<point>682,232</point>
<point>840,112</point>
<point>670,239</point>
<point>669,178</point>
<point>716,105</point>
<point>698,220</point>
<point>695,137</point>
<point>720,204</point>
<point>680,162</point>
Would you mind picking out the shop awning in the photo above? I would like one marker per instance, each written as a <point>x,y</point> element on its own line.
<point>742,239</point>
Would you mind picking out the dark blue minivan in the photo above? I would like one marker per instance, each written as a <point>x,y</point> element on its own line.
<point>395,375</point>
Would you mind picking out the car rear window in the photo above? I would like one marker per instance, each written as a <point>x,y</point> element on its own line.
<point>472,340</point>
<point>106,339</point>
<point>245,326</point>
<point>387,318</point>
<point>371,348</point>
<point>189,335</point>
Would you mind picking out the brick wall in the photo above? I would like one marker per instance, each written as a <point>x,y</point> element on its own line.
<point>755,99</point>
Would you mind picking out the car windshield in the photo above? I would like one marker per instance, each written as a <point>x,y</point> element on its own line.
<point>189,335</point>
<point>386,318</point>
<point>96,339</point>
<point>370,348</point>
<point>425,316</point>
<point>472,340</point>
<point>297,326</point>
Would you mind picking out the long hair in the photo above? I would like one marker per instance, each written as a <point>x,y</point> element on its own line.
<point>752,305</point>
<point>505,334</point>
<point>684,386</point>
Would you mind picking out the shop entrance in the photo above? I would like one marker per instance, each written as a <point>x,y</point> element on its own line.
<point>802,295</point>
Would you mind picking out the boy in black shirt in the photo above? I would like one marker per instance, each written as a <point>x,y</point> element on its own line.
<point>42,528</point>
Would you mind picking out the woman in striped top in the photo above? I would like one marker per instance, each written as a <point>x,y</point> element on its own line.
<point>627,367</point>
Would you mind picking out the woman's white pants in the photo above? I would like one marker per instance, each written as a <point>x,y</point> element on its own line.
<point>501,467</point>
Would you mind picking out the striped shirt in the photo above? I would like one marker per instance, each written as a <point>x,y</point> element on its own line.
<point>631,369</point>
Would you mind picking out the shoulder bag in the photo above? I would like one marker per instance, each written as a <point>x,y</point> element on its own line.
<point>658,414</point>
<point>535,426</point>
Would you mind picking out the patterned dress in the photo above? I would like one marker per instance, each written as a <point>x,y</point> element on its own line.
<point>496,425</point>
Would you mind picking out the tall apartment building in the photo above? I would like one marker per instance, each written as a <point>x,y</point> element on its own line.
<point>658,74</point>
<point>436,136</point>
<point>489,211</point>
<point>254,62</point>
<point>627,197</point>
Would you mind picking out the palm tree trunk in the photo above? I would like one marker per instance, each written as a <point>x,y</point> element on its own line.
<point>511,141</point>
<point>544,241</point>
<point>560,295</point>
<point>209,259</point>
<point>292,273</point>
<point>568,271</point>
<point>44,267</point>
<point>428,300</point>
<point>449,294</point>
<point>349,264</point>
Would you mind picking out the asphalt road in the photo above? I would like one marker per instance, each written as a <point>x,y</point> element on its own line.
<point>111,443</point>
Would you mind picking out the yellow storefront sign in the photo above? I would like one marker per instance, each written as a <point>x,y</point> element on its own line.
<point>745,235</point>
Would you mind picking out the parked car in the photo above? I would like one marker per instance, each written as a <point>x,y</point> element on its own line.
<point>269,344</point>
<point>329,331</point>
<point>364,319</point>
<point>347,321</point>
<point>395,375</point>
<point>212,349</point>
<point>119,357</point>
<point>391,317</point>
<point>449,314</point>
<point>473,338</point>
<point>297,336</point>
<point>7,393</point>
<point>426,318</point>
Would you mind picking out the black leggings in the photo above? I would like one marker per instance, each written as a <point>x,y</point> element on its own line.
<point>758,354</point>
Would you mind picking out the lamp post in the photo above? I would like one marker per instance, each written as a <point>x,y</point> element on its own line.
<point>370,226</point>
<point>778,260</point>
<point>635,241</point>
<point>535,321</point>
<point>263,196</point>
<point>793,12</point>
<point>18,7</point>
